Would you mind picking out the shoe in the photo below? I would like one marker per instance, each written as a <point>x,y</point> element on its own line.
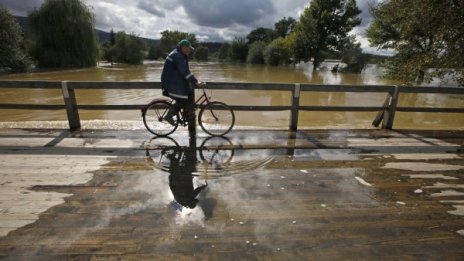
<point>170,121</point>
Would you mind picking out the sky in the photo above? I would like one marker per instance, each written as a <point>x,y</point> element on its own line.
<point>209,20</point>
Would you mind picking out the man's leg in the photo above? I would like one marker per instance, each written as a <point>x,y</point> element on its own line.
<point>175,107</point>
<point>189,109</point>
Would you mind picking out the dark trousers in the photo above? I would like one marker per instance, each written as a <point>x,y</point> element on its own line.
<point>187,105</point>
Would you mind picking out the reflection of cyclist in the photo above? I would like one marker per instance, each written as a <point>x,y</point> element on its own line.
<point>178,82</point>
<point>181,178</point>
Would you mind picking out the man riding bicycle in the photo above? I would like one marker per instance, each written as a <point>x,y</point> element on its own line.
<point>178,82</point>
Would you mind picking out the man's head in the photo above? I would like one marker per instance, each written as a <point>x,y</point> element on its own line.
<point>185,46</point>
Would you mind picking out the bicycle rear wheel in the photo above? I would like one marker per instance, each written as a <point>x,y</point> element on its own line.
<point>153,118</point>
<point>216,118</point>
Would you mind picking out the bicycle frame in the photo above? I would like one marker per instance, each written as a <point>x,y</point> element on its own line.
<point>201,101</point>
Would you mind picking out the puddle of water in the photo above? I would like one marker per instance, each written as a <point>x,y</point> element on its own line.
<point>363,182</point>
<point>443,185</point>
<point>447,193</point>
<point>425,156</point>
<point>459,210</point>
<point>421,166</point>
<point>431,176</point>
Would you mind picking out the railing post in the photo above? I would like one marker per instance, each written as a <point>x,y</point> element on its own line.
<point>379,118</point>
<point>295,107</point>
<point>71,106</point>
<point>389,116</point>
<point>192,126</point>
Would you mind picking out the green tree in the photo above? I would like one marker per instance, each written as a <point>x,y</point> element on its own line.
<point>109,49</point>
<point>129,49</point>
<point>261,34</point>
<point>223,54</point>
<point>201,53</point>
<point>64,34</point>
<point>277,52</point>
<point>13,55</point>
<point>323,26</point>
<point>256,53</point>
<point>284,27</point>
<point>424,34</point>
<point>170,39</point>
<point>238,51</point>
<point>154,52</point>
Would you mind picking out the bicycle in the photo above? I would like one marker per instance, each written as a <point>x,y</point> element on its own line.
<point>215,118</point>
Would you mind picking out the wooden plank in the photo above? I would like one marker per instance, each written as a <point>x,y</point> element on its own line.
<point>261,205</point>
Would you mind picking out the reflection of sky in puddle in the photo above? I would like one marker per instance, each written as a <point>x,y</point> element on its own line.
<point>325,154</point>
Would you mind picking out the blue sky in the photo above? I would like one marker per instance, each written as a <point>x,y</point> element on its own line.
<point>217,21</point>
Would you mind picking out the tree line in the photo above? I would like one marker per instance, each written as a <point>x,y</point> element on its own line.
<point>426,38</point>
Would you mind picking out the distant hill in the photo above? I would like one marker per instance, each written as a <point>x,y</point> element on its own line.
<point>105,36</point>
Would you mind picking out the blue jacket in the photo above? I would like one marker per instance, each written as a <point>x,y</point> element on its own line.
<point>176,79</point>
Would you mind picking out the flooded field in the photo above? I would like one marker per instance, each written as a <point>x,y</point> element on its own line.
<point>214,72</point>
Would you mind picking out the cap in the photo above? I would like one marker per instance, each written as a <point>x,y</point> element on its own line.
<point>185,42</point>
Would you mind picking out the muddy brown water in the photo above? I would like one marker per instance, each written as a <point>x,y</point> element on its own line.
<point>210,72</point>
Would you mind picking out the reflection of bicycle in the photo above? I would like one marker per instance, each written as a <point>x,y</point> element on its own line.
<point>217,151</point>
<point>215,118</point>
<point>214,150</point>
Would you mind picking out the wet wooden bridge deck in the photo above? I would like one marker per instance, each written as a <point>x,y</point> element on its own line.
<point>271,195</point>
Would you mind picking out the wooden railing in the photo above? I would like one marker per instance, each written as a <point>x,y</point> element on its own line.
<point>386,111</point>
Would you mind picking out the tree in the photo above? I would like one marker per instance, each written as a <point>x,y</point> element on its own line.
<point>261,34</point>
<point>13,55</point>
<point>130,49</point>
<point>424,34</point>
<point>277,52</point>
<point>224,51</point>
<point>323,26</point>
<point>154,52</point>
<point>284,27</point>
<point>201,53</point>
<point>64,34</point>
<point>238,51</point>
<point>109,49</point>
<point>170,39</point>
<point>255,54</point>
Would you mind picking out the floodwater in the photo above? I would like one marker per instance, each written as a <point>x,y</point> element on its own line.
<point>214,72</point>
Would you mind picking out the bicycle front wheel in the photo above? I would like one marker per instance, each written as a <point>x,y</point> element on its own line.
<point>216,118</point>
<point>153,118</point>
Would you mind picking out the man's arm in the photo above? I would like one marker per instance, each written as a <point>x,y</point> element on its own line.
<point>183,69</point>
